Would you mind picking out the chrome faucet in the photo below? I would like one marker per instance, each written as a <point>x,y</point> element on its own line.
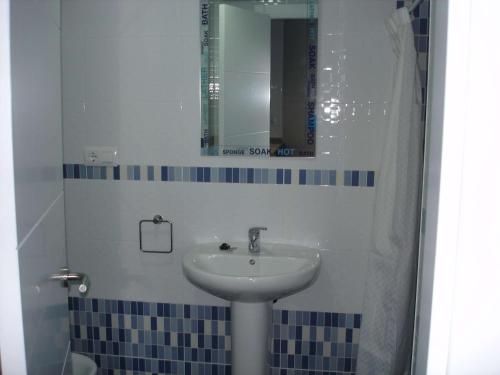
<point>254,239</point>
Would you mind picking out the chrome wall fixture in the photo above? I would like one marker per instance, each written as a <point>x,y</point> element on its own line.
<point>157,220</point>
<point>66,278</point>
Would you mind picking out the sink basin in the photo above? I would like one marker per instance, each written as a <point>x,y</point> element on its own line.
<point>251,282</point>
<point>237,275</point>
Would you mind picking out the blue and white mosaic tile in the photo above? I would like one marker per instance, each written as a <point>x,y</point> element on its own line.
<point>303,177</point>
<point>158,338</point>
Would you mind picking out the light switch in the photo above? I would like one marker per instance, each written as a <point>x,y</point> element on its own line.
<point>101,156</point>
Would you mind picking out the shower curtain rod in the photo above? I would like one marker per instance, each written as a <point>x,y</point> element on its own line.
<point>415,4</point>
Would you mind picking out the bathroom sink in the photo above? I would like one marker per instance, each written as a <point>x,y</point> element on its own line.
<point>238,275</point>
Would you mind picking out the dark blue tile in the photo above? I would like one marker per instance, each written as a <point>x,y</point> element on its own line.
<point>187,312</point>
<point>357,320</point>
<point>314,318</point>
<point>355,178</point>
<point>304,362</point>
<point>283,346</point>
<point>164,173</point>
<point>154,326</point>
<point>140,308</point>
<point>275,359</point>
<point>201,341</point>
<point>423,26</point>
<point>279,176</point>
<point>288,176</point>
<point>342,320</point>
<point>159,309</point>
<point>276,346</point>
<point>284,317</point>
<point>250,172</point>
<point>302,177</point>
<point>328,319</point>
<point>298,347</point>
<point>335,320</point>
<point>166,310</point>
<point>65,174</point>
<point>213,340</point>
<point>298,333</point>
<point>76,171</point>
<point>229,175</point>
<point>236,175</point>
<point>199,174</point>
<point>348,335</point>
<point>347,365</point>
<point>370,178</point>
<point>312,348</point>
<point>206,174</point>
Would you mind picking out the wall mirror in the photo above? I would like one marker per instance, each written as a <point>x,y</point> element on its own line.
<point>258,77</point>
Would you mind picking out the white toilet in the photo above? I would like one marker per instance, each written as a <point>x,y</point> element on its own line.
<point>83,365</point>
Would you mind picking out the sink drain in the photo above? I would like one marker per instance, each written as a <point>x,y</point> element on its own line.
<point>252,261</point>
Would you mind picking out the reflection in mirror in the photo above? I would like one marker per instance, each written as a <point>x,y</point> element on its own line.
<point>258,77</point>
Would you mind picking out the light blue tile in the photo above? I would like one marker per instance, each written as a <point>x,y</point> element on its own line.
<point>333,178</point>
<point>151,173</point>
<point>243,175</point>
<point>186,174</point>
<point>347,178</point>
<point>265,176</point>
<point>258,175</point>
<point>130,172</point>
<point>171,174</point>
<point>222,174</point>
<point>317,177</point>
<point>309,177</point>
<point>214,174</point>
<point>178,173</point>
<point>193,174</point>
<point>325,177</point>
<point>363,175</point>
<point>272,176</point>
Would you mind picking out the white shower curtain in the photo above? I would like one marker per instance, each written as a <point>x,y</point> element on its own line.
<point>386,329</point>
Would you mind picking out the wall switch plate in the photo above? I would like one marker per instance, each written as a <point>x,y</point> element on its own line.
<point>103,156</point>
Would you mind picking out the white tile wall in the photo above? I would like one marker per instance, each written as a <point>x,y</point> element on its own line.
<point>130,79</point>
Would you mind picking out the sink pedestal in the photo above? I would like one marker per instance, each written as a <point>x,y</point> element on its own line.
<point>250,329</point>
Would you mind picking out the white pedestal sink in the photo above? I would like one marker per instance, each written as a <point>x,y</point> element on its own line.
<point>251,282</point>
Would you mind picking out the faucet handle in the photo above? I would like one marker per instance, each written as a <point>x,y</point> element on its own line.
<point>254,231</point>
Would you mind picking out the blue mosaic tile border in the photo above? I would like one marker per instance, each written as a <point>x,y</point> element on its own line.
<point>147,338</point>
<point>304,177</point>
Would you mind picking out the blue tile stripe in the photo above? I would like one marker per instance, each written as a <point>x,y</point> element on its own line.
<point>190,339</point>
<point>164,173</point>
